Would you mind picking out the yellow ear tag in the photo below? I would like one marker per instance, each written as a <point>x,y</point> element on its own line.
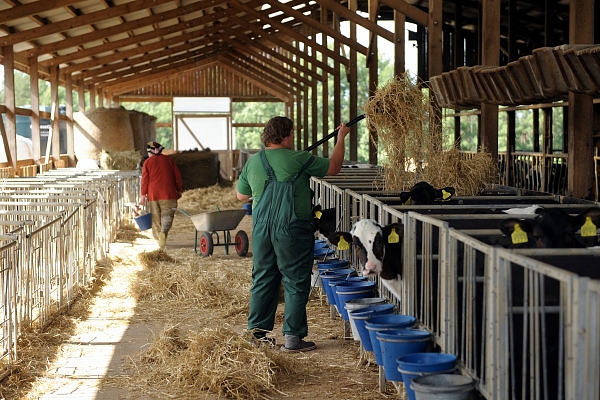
<point>588,228</point>
<point>407,202</point>
<point>393,236</point>
<point>318,214</point>
<point>342,244</point>
<point>518,235</point>
<point>446,195</point>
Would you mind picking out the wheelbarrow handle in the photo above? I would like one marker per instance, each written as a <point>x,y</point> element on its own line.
<point>334,133</point>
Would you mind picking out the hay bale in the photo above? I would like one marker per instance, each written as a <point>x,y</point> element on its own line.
<point>137,128</point>
<point>198,168</point>
<point>120,160</point>
<point>102,128</point>
<point>149,128</point>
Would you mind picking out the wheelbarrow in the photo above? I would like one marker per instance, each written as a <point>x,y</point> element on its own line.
<point>213,222</point>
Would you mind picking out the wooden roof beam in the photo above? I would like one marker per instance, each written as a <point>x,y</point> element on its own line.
<point>127,84</point>
<point>295,35</point>
<point>258,54</point>
<point>83,20</point>
<point>233,67</point>
<point>273,38</point>
<point>412,12</point>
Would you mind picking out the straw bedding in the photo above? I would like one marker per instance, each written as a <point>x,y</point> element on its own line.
<point>409,134</point>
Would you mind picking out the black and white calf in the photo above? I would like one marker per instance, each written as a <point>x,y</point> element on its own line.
<point>553,228</point>
<point>423,193</point>
<point>379,248</point>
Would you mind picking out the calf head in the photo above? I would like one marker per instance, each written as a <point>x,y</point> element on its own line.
<point>423,193</point>
<point>324,220</point>
<point>553,228</point>
<point>379,249</point>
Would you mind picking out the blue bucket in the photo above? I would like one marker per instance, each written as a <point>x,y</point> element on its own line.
<point>248,208</point>
<point>349,291</point>
<point>397,343</point>
<point>322,252</point>
<point>414,365</point>
<point>144,222</point>
<point>319,244</point>
<point>360,318</point>
<point>333,274</point>
<point>357,304</point>
<point>386,323</point>
<point>353,280</point>
<point>332,264</point>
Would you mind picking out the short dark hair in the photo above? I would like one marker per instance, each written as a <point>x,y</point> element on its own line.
<point>276,130</point>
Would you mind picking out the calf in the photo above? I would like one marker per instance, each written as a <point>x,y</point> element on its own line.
<point>379,249</point>
<point>553,228</point>
<point>324,220</point>
<point>423,193</point>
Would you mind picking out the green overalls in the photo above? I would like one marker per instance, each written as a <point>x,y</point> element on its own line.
<point>282,248</point>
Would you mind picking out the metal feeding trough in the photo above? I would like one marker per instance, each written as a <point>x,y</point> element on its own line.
<point>213,222</point>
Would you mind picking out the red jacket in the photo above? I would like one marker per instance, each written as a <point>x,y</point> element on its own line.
<point>161,179</point>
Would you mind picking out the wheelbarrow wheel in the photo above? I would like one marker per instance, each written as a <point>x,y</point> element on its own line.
<point>206,244</point>
<point>241,243</point>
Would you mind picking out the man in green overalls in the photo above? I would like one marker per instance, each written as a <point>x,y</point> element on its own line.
<point>277,179</point>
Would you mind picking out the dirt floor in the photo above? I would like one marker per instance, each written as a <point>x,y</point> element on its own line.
<point>175,323</point>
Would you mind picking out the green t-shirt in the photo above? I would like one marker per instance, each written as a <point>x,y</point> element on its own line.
<point>285,163</point>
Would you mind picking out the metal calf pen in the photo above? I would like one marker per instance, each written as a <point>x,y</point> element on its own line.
<point>55,228</point>
<point>515,337</point>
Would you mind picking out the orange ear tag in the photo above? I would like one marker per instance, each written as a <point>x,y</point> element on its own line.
<point>518,235</point>
<point>446,195</point>
<point>393,236</point>
<point>318,214</point>
<point>588,228</point>
<point>342,244</point>
<point>407,202</point>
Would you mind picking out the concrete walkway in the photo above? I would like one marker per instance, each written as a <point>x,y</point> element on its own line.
<point>90,365</point>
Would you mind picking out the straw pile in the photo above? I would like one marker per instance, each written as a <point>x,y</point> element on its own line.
<point>217,360</point>
<point>409,135</point>
<point>120,160</point>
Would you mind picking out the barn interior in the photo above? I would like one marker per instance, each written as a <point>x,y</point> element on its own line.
<point>488,65</point>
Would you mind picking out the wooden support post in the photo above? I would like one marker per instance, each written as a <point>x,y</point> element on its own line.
<point>490,54</point>
<point>34,98</point>
<point>373,64</point>
<point>435,67</point>
<point>337,85</point>
<point>580,179</point>
<point>353,83</point>
<point>399,43</point>
<point>9,136</point>
<point>325,89</point>
<point>69,114</point>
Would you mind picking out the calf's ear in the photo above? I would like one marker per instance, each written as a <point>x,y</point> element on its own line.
<point>393,233</point>
<point>405,198</point>
<point>517,229</point>
<point>340,239</point>
<point>445,193</point>
<point>588,221</point>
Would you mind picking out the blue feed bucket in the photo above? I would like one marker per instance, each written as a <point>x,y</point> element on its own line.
<point>360,318</point>
<point>144,221</point>
<point>385,323</point>
<point>349,291</point>
<point>352,280</point>
<point>248,208</point>
<point>329,275</point>
<point>397,343</point>
<point>322,252</point>
<point>357,304</point>
<point>414,365</point>
<point>332,264</point>
<point>319,244</point>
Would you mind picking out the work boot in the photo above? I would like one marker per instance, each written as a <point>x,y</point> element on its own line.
<point>162,240</point>
<point>296,344</point>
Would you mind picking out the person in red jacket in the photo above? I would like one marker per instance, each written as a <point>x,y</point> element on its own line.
<point>161,187</point>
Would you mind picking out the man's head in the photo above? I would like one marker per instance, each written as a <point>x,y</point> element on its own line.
<point>277,129</point>
<point>154,148</point>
